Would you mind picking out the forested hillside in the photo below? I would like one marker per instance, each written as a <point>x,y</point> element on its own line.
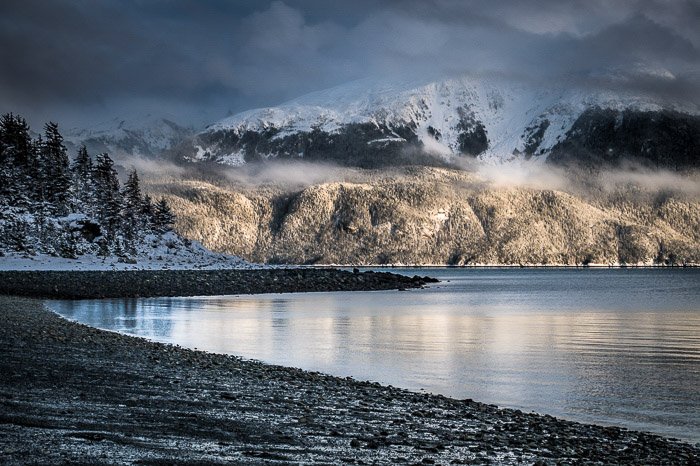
<point>52,205</point>
<point>422,215</point>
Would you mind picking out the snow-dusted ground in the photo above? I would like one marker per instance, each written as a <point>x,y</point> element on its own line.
<point>91,262</point>
<point>168,252</point>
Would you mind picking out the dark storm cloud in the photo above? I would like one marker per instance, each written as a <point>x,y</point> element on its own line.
<point>77,60</point>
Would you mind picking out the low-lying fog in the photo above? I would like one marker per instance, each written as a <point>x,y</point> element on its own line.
<point>534,174</point>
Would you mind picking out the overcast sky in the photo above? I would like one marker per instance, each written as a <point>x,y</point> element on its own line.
<point>76,62</point>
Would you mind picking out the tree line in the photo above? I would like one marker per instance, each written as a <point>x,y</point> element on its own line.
<point>54,205</point>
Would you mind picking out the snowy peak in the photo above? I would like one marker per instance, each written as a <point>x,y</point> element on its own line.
<point>146,136</point>
<point>369,121</point>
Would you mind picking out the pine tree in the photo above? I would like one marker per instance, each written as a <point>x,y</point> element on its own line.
<point>163,217</point>
<point>17,236</point>
<point>17,162</point>
<point>55,176</point>
<point>67,247</point>
<point>36,178</point>
<point>147,212</point>
<point>39,186</point>
<point>83,188</point>
<point>7,179</point>
<point>131,211</point>
<point>107,196</point>
<point>46,233</point>
<point>132,199</point>
<point>103,248</point>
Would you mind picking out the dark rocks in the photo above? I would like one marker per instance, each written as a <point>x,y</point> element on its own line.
<point>426,279</point>
<point>146,283</point>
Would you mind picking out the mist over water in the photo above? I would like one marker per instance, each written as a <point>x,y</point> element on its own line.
<point>608,346</point>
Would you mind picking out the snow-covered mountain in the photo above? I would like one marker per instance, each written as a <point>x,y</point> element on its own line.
<point>371,123</point>
<point>146,136</point>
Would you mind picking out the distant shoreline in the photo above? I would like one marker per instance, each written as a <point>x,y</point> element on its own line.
<point>95,284</point>
<point>87,284</point>
<point>506,266</point>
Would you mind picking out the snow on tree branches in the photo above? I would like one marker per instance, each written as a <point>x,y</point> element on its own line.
<point>50,205</point>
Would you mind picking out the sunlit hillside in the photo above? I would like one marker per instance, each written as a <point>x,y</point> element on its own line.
<point>420,215</point>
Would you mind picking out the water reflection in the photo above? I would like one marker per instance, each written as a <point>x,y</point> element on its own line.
<point>607,346</point>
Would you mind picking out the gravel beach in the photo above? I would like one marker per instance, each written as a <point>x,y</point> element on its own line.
<point>74,394</point>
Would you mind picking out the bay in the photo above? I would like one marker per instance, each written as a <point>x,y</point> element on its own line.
<point>608,346</point>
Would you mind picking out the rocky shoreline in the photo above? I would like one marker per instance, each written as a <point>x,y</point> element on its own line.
<point>148,283</point>
<point>74,394</point>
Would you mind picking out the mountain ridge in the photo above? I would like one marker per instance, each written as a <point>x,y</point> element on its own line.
<point>368,123</point>
<point>141,136</point>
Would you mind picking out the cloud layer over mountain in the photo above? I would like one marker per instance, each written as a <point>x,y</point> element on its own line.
<point>75,61</point>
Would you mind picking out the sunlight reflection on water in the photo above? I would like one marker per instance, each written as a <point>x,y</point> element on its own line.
<point>606,346</point>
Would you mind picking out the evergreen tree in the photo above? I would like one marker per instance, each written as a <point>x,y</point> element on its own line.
<point>131,211</point>
<point>103,247</point>
<point>46,233</point>
<point>132,199</point>
<point>83,188</point>
<point>107,195</point>
<point>17,235</point>
<point>17,162</point>
<point>147,212</point>
<point>15,140</point>
<point>67,247</point>
<point>55,176</point>
<point>7,179</point>
<point>39,186</point>
<point>163,217</point>
<point>36,179</point>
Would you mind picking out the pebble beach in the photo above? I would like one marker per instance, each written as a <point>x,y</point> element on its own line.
<point>75,394</point>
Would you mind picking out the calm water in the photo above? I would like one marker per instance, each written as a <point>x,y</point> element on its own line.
<point>610,346</point>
